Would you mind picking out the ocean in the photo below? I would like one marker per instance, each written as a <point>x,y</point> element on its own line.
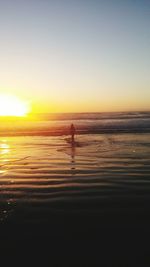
<point>49,188</point>
<point>86,123</point>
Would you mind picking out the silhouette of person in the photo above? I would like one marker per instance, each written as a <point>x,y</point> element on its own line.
<point>72,132</point>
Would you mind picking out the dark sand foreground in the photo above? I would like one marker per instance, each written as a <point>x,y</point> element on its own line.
<point>83,206</point>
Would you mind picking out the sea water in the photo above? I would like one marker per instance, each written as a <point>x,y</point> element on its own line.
<point>42,173</point>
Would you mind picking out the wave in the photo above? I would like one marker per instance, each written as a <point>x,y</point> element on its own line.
<point>85,123</point>
<point>93,116</point>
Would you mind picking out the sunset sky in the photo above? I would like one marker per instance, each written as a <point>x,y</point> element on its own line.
<point>76,55</point>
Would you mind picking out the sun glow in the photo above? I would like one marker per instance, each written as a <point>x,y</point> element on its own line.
<point>12,106</point>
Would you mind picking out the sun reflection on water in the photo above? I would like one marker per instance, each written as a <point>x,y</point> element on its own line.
<point>4,147</point>
<point>5,204</point>
<point>5,150</point>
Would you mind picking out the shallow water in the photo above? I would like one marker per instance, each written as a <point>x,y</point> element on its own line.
<point>40,175</point>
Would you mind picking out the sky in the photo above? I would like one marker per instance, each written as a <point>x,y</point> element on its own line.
<point>76,55</point>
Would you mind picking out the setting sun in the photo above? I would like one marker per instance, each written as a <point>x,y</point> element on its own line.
<point>12,106</point>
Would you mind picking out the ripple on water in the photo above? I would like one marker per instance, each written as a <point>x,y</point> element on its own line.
<point>47,171</point>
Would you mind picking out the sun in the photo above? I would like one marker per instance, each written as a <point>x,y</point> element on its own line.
<point>11,105</point>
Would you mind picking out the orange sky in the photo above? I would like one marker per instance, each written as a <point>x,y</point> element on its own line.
<point>76,56</point>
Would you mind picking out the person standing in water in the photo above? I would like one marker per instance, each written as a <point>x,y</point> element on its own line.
<point>72,132</point>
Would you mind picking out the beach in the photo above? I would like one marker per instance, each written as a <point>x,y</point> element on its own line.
<point>90,201</point>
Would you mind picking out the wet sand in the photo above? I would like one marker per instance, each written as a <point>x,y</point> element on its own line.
<point>77,206</point>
